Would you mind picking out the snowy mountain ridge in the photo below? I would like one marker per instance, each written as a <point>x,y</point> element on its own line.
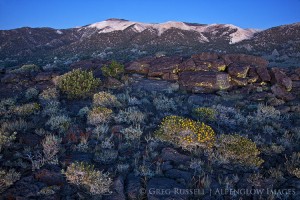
<point>238,34</point>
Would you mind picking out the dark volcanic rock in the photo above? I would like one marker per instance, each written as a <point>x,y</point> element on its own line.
<point>215,65</point>
<point>170,76</point>
<point>26,188</point>
<point>281,92</point>
<point>137,67</point>
<point>263,73</point>
<point>179,175</point>
<point>205,56</point>
<point>172,155</point>
<point>244,59</point>
<point>295,77</point>
<point>44,76</point>
<point>252,75</point>
<point>163,65</point>
<point>239,81</point>
<point>133,186</point>
<point>156,185</point>
<point>281,78</point>
<point>203,82</point>
<point>49,177</point>
<point>166,165</point>
<point>113,83</point>
<point>239,71</point>
<point>188,65</point>
<point>140,66</point>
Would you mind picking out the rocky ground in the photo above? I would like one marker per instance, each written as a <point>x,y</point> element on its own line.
<point>245,96</point>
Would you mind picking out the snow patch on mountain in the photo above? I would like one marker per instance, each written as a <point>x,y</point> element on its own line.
<point>59,32</point>
<point>240,34</point>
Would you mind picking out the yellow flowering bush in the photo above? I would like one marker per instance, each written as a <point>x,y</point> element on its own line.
<point>185,132</point>
<point>205,113</point>
<point>99,115</point>
<point>77,83</point>
<point>239,149</point>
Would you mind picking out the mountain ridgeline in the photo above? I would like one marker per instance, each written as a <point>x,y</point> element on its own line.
<point>126,40</point>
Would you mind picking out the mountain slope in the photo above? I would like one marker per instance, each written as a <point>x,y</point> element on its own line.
<point>125,40</point>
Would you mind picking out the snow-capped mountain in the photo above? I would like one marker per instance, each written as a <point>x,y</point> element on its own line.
<point>125,40</point>
<point>111,25</point>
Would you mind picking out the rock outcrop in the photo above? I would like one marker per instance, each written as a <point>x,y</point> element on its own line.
<point>209,72</point>
<point>204,81</point>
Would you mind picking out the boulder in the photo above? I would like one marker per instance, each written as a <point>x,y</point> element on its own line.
<point>165,188</point>
<point>204,82</point>
<point>113,83</point>
<point>281,78</point>
<point>140,66</point>
<point>166,165</point>
<point>49,177</point>
<point>205,56</point>
<point>295,77</point>
<point>25,188</point>
<point>252,75</point>
<point>163,65</point>
<point>133,186</point>
<point>187,65</point>
<point>239,81</point>
<point>169,154</point>
<point>218,65</point>
<point>281,92</point>
<point>170,77</point>
<point>239,71</point>
<point>179,175</point>
<point>215,65</point>
<point>244,59</point>
<point>44,76</point>
<point>263,73</point>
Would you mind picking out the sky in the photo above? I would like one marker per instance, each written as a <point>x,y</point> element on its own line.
<point>60,14</point>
